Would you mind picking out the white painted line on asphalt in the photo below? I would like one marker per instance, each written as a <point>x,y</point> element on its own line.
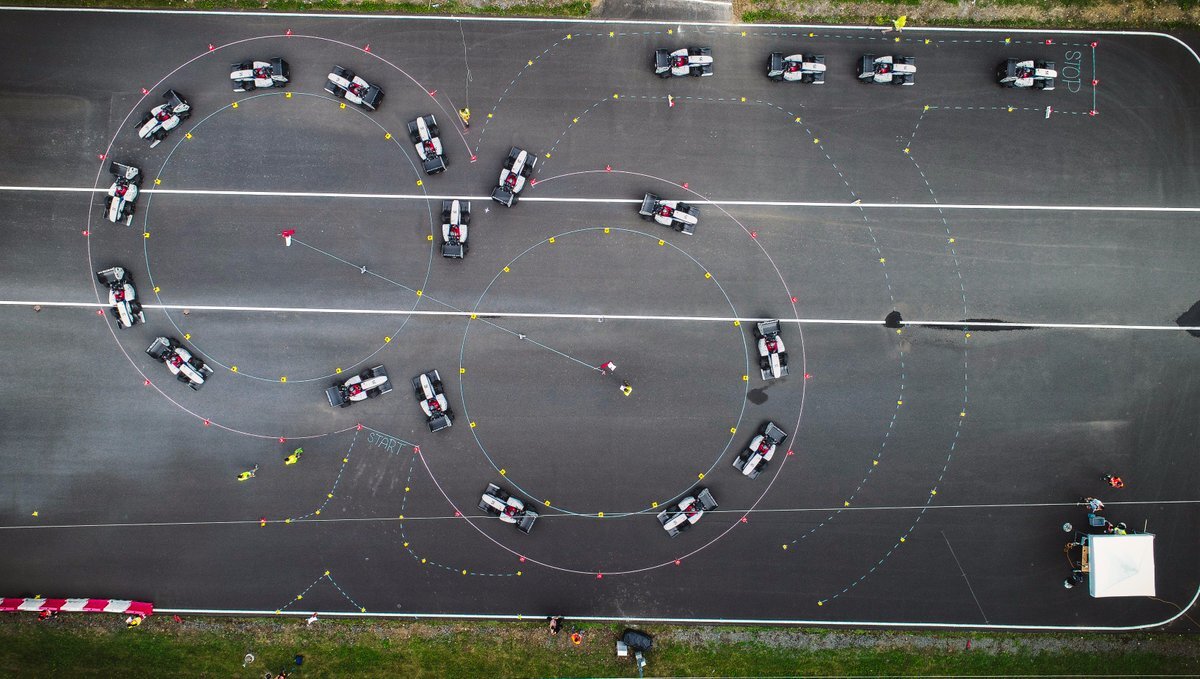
<point>628,201</point>
<point>976,325</point>
<point>538,616</point>
<point>453,517</point>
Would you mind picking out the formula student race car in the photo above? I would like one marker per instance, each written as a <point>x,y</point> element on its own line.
<point>456,217</point>
<point>424,135</point>
<point>754,459</point>
<point>183,365</point>
<point>126,309</point>
<point>163,118</point>
<point>510,509</point>
<point>517,168</point>
<point>118,205</point>
<point>695,61</point>
<point>797,68</point>
<point>687,512</point>
<point>673,213</point>
<point>1038,75</point>
<point>428,389</point>
<point>367,384</point>
<point>343,84</point>
<point>251,75</point>
<point>772,355</point>
<point>888,69</point>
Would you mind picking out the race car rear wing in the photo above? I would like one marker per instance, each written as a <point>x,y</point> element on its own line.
<point>111,276</point>
<point>439,422</point>
<point>768,328</point>
<point>336,398</point>
<point>775,65</point>
<point>705,499</point>
<point>526,521</point>
<point>503,196</point>
<point>774,433</point>
<point>648,204</point>
<point>453,250</point>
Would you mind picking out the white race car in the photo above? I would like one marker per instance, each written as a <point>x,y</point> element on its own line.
<point>510,509</point>
<point>251,75</point>
<point>163,118</point>
<point>432,399</point>
<point>797,68</point>
<point>687,512</point>
<point>118,204</point>
<point>424,135</point>
<point>456,218</point>
<point>695,61</point>
<point>754,459</point>
<point>1027,73</point>
<point>673,213</point>
<point>183,365</point>
<point>517,168</point>
<point>343,84</point>
<point>367,384</point>
<point>125,307</point>
<point>772,354</point>
<point>887,69</point>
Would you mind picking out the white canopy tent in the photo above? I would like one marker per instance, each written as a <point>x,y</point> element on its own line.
<point>1121,565</point>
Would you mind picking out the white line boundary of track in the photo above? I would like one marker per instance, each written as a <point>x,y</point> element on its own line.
<point>557,20</point>
<point>714,621</point>
<point>999,325</point>
<point>575,516</point>
<point>629,201</point>
<point>534,617</point>
<point>525,617</point>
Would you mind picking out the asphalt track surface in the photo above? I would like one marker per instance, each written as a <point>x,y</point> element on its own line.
<point>932,469</point>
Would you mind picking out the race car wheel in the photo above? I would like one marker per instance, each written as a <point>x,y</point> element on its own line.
<point>196,363</point>
<point>783,358</point>
<point>433,130</point>
<point>134,307</point>
<point>182,378</point>
<point>764,363</point>
<point>437,386</point>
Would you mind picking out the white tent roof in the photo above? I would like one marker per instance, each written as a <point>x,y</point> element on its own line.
<point>1121,565</point>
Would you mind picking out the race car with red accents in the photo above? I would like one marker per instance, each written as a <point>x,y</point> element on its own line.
<point>693,61</point>
<point>797,68</point>
<point>423,132</point>
<point>160,120</point>
<point>1026,74</point>
<point>118,203</point>
<point>509,509</point>
<point>673,213</point>
<point>367,384</point>
<point>772,354</point>
<point>123,303</point>
<point>456,218</point>
<point>344,84</point>
<point>687,512</point>
<point>887,69</point>
<point>432,398</point>
<point>251,75</point>
<point>752,461</point>
<point>517,168</point>
<point>183,365</point>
